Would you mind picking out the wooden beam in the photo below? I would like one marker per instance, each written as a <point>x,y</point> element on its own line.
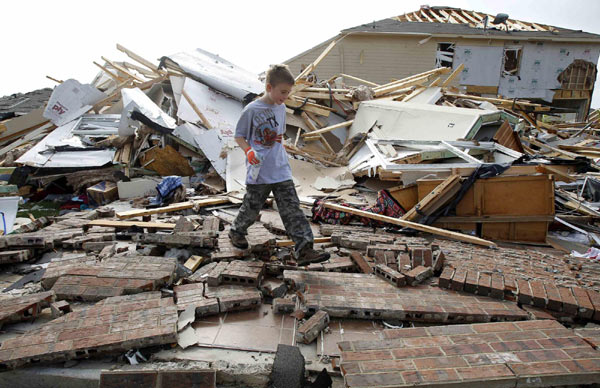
<point>109,73</point>
<point>413,225</point>
<point>54,79</point>
<point>203,118</point>
<point>316,62</point>
<point>559,175</point>
<point>139,59</point>
<point>122,69</point>
<point>360,80</point>
<point>437,198</point>
<point>328,129</point>
<point>454,74</point>
<point>312,129</point>
<point>171,208</point>
<point>392,88</point>
<point>308,107</point>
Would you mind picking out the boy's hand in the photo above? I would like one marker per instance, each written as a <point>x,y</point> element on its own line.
<point>251,155</point>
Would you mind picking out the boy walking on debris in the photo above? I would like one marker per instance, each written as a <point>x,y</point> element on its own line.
<point>259,132</point>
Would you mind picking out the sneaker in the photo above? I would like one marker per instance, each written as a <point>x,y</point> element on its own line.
<point>310,255</point>
<point>238,240</point>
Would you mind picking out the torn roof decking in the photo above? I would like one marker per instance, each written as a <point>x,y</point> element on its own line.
<point>352,295</point>
<point>438,27</point>
<point>506,354</point>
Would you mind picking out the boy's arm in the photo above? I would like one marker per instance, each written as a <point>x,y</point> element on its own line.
<point>242,143</point>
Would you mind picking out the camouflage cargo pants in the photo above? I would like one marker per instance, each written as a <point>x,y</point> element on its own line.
<point>293,218</point>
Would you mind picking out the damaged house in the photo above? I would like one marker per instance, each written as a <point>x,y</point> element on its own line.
<point>500,55</point>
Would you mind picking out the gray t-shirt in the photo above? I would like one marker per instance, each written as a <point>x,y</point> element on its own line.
<point>261,124</point>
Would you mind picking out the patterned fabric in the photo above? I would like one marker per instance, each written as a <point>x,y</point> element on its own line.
<point>385,205</point>
<point>294,220</point>
<point>166,189</point>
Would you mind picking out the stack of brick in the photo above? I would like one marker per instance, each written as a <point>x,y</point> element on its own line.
<point>247,273</point>
<point>309,330</point>
<point>113,325</point>
<point>368,297</point>
<point>210,300</point>
<point>198,239</point>
<point>509,354</point>
<point>114,276</point>
<point>575,302</point>
<point>158,379</point>
<point>20,308</point>
<point>260,239</point>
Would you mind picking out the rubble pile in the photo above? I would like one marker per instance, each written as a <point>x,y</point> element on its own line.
<point>461,228</point>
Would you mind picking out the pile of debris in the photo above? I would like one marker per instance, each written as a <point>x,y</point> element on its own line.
<point>417,190</point>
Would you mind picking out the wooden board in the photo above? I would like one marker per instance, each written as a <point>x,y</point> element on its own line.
<point>129,224</point>
<point>167,161</point>
<point>413,225</point>
<point>508,138</point>
<point>317,240</point>
<point>509,200</point>
<point>171,208</point>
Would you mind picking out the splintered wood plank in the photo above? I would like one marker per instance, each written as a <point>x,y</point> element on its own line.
<point>171,208</point>
<point>436,198</point>
<point>454,74</point>
<point>203,118</point>
<point>413,225</point>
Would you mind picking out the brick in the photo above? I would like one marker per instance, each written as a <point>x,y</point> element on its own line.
<point>418,352</point>
<point>538,293</point>
<point>524,292</point>
<point>374,380</point>
<point>389,275</point>
<point>384,365</point>
<point>188,378</point>
<point>446,277</point>
<point>283,305</point>
<point>309,330</point>
<point>569,304</point>
<point>485,284</point>
<point>15,256</point>
<point>554,301</point>
<point>361,262</point>
<point>367,355</point>
<point>471,281</point>
<point>585,307</point>
<point>595,299</point>
<point>133,379</point>
<point>497,290</point>
<point>404,264</point>
<point>438,261</point>
<point>440,362</point>
<point>458,280</point>
<point>421,256</point>
<point>487,373</point>
<point>418,275</point>
<point>430,376</point>
<point>243,273</point>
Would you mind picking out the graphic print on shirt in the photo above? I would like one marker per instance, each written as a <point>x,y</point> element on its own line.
<point>265,125</point>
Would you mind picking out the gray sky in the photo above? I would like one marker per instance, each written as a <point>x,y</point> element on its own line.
<point>61,38</point>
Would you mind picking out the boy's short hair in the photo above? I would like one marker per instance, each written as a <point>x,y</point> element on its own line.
<point>280,74</point>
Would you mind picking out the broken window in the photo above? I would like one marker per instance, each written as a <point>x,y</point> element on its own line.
<point>444,55</point>
<point>512,60</point>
